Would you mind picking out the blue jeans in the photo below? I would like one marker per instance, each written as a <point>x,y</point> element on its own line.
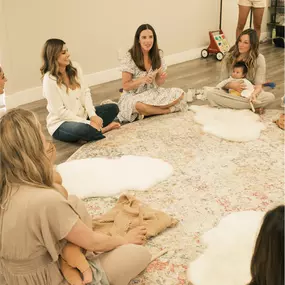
<point>73,131</point>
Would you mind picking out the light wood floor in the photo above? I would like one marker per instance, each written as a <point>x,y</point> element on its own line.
<point>191,74</point>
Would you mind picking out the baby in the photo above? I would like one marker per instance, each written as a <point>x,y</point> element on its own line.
<point>72,260</point>
<point>239,73</point>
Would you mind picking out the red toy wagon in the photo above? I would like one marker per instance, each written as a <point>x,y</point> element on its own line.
<point>218,42</point>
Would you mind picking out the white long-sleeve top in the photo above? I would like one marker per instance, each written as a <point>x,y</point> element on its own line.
<point>2,104</point>
<point>74,106</point>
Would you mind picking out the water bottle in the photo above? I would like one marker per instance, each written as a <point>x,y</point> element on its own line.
<point>273,34</point>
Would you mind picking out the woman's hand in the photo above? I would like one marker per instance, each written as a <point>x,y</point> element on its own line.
<point>148,79</point>
<point>238,86</point>
<point>252,97</point>
<point>136,235</point>
<point>162,74</point>
<point>255,93</point>
<point>96,122</point>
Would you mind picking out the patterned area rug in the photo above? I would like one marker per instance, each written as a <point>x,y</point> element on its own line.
<point>212,177</point>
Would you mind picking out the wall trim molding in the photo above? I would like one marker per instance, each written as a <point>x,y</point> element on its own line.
<point>34,94</point>
<point>264,35</point>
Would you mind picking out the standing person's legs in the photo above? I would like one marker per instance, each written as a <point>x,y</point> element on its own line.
<point>107,112</point>
<point>73,132</point>
<point>124,263</point>
<point>257,19</point>
<point>244,8</point>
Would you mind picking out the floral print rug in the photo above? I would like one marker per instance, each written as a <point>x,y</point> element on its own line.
<point>212,178</point>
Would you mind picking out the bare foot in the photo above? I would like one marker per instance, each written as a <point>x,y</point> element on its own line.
<point>111,126</point>
<point>87,276</point>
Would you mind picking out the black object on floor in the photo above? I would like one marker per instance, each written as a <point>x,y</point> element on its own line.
<point>279,42</point>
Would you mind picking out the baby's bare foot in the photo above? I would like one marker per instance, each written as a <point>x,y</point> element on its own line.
<point>87,276</point>
<point>111,126</point>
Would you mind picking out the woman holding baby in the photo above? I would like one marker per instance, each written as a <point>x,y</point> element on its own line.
<point>246,49</point>
<point>143,72</point>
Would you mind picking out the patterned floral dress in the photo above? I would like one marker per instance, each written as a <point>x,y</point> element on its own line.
<point>150,94</point>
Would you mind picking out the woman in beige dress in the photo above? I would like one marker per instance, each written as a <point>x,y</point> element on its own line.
<point>245,49</point>
<point>36,221</point>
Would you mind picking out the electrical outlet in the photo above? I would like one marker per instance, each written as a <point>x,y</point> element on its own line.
<point>120,53</point>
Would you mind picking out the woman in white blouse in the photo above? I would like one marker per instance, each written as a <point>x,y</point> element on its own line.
<point>72,116</point>
<point>3,80</point>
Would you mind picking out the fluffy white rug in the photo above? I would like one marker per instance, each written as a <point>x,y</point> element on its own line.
<point>233,125</point>
<point>230,245</point>
<point>94,177</point>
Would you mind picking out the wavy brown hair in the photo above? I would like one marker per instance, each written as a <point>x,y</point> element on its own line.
<point>51,51</point>
<point>136,51</point>
<point>23,157</point>
<point>250,60</point>
<point>267,264</point>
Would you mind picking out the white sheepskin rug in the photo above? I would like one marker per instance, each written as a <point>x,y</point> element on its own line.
<point>230,245</point>
<point>229,124</point>
<point>93,177</point>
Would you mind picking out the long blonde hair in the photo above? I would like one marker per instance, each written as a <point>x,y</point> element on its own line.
<point>51,51</point>
<point>23,157</point>
<point>250,60</point>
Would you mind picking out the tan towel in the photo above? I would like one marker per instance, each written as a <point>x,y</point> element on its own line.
<point>129,213</point>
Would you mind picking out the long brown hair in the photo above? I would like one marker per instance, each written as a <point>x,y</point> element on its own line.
<point>51,51</point>
<point>267,264</point>
<point>250,60</point>
<point>23,158</point>
<point>136,51</point>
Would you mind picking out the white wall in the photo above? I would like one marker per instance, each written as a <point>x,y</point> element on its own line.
<point>97,33</point>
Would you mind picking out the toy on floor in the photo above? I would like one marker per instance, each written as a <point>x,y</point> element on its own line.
<point>218,45</point>
<point>218,42</point>
<point>269,84</point>
<point>280,122</point>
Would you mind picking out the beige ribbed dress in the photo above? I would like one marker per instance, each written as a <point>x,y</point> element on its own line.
<point>32,230</point>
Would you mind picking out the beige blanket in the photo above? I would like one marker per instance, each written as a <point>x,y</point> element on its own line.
<point>129,213</point>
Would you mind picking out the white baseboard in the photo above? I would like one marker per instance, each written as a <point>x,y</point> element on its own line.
<point>183,56</point>
<point>23,97</point>
<point>264,35</point>
<point>35,94</point>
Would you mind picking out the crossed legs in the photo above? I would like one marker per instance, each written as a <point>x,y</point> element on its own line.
<point>148,110</point>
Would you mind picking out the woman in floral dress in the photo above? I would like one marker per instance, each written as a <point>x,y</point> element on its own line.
<point>143,72</point>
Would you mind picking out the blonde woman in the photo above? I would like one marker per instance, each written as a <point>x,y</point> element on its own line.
<point>246,49</point>
<point>36,220</point>
<point>72,116</point>
<point>3,80</point>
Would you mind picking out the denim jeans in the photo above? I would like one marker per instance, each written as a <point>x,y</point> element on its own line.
<point>73,131</point>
